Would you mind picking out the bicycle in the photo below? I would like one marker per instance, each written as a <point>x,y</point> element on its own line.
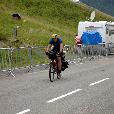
<point>53,66</point>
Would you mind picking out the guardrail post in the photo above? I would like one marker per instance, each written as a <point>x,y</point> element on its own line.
<point>10,71</point>
<point>30,58</point>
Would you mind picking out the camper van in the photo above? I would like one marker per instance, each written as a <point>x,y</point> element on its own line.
<point>105,29</point>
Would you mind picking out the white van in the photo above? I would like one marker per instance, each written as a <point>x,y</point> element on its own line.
<point>105,29</point>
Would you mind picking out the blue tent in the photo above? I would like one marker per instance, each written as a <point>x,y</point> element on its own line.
<point>91,38</point>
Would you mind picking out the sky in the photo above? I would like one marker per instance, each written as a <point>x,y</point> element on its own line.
<point>76,0</point>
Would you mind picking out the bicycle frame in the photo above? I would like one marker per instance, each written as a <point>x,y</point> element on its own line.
<point>53,69</point>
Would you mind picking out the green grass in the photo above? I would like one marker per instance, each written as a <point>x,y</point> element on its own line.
<point>41,18</point>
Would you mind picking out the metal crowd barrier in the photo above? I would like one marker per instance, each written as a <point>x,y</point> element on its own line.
<point>85,52</point>
<point>12,58</point>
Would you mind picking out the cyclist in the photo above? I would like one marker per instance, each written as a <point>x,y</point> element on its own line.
<point>78,41</point>
<point>57,47</point>
<point>78,45</point>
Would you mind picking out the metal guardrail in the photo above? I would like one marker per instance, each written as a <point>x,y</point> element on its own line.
<point>85,52</point>
<point>12,58</point>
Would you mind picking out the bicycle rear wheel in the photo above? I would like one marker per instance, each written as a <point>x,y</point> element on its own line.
<point>51,72</point>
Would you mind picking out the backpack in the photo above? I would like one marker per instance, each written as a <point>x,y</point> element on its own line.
<point>52,55</point>
<point>64,63</point>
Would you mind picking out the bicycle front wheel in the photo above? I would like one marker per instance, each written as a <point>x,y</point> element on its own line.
<point>51,72</point>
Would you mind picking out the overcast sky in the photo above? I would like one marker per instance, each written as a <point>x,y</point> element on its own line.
<point>76,0</point>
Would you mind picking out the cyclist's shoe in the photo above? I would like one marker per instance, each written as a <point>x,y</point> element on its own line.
<point>59,71</point>
<point>58,76</point>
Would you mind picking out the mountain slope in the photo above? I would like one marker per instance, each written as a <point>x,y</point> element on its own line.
<point>40,18</point>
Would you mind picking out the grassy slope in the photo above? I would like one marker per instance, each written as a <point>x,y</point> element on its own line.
<point>43,17</point>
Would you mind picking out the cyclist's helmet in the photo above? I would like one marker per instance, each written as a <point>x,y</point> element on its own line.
<point>54,35</point>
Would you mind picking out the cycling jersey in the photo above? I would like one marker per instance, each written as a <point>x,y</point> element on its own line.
<point>56,45</point>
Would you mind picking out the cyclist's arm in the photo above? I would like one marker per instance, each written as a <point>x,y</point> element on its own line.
<point>61,47</point>
<point>48,47</point>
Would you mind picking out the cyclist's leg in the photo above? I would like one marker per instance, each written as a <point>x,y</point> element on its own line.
<point>59,66</point>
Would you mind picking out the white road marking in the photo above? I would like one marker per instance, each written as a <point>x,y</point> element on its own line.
<point>23,112</point>
<point>98,81</point>
<point>38,72</point>
<point>62,96</point>
<point>81,63</point>
<point>44,70</point>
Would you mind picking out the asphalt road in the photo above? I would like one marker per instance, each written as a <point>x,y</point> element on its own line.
<point>86,88</point>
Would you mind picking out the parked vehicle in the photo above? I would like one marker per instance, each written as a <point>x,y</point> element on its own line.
<point>105,29</point>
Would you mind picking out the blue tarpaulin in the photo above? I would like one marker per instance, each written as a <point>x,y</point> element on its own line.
<point>91,38</point>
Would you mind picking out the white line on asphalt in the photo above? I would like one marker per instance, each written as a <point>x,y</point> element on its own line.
<point>44,70</point>
<point>62,96</point>
<point>23,112</point>
<point>81,63</point>
<point>38,71</point>
<point>98,81</point>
